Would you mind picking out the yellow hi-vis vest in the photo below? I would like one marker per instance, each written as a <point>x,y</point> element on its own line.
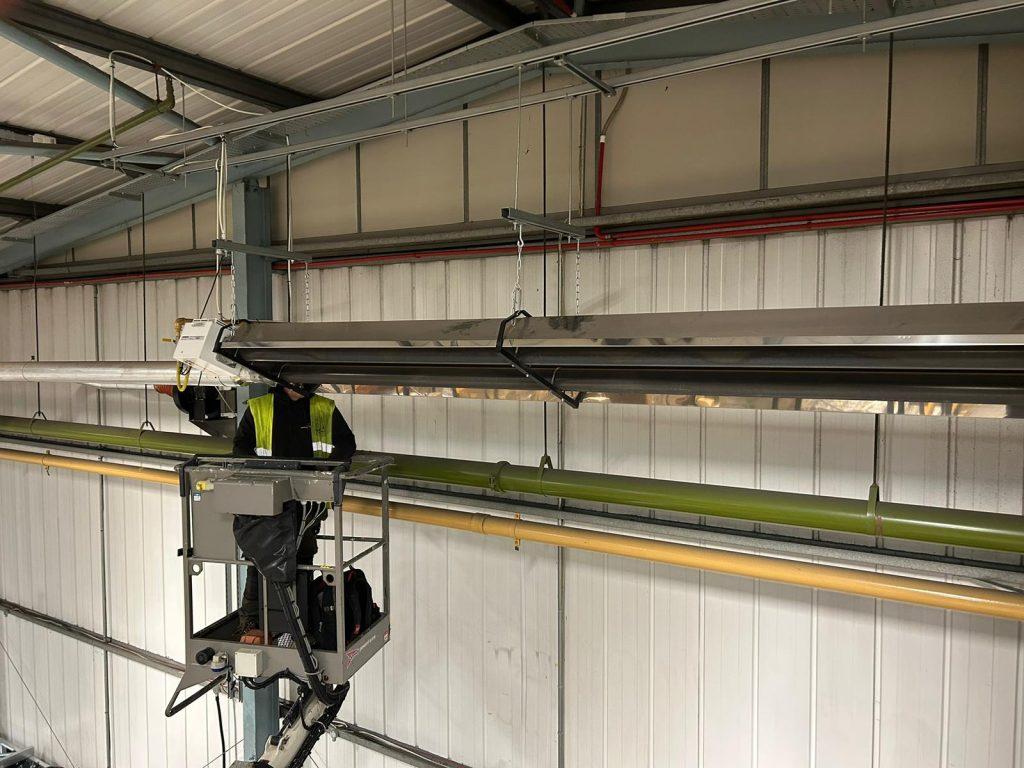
<point>321,417</point>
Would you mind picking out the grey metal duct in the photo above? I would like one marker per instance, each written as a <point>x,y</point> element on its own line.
<point>83,372</point>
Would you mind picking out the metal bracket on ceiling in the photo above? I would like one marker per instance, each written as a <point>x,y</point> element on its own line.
<point>267,251</point>
<point>582,74</point>
<point>573,401</point>
<point>126,196</point>
<point>525,218</point>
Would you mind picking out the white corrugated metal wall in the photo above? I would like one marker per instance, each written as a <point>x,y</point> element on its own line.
<point>662,666</point>
<point>51,550</point>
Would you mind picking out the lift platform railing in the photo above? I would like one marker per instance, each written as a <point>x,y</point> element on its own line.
<point>214,491</point>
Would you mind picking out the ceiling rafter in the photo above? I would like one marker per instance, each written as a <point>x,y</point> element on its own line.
<point>25,133</point>
<point>16,208</point>
<point>59,25</point>
<point>499,15</point>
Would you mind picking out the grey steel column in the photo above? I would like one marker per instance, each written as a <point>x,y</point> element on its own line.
<point>250,215</point>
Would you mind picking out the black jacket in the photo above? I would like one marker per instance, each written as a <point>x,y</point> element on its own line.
<point>292,439</point>
<point>292,436</point>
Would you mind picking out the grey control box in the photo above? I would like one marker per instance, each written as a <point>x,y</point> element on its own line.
<point>217,499</point>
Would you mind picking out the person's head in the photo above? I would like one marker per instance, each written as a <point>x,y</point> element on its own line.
<point>293,394</point>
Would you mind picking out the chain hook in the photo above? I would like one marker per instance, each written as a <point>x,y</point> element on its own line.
<point>517,290</point>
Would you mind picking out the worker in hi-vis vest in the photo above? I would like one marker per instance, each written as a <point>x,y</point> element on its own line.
<point>288,425</point>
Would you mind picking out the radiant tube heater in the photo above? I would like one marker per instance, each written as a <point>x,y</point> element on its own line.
<point>929,359</point>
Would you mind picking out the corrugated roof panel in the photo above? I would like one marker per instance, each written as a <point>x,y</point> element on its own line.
<point>41,96</point>
<point>301,44</point>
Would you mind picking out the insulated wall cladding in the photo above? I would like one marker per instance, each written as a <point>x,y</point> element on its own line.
<point>666,666</point>
<point>662,666</point>
<point>58,530</point>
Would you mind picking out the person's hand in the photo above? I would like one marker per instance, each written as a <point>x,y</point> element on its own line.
<point>252,637</point>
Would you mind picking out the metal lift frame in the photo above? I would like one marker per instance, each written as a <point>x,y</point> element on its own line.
<point>310,479</point>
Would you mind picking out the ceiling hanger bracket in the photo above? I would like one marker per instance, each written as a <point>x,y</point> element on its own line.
<point>573,401</point>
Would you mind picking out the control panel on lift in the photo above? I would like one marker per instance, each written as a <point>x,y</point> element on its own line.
<point>313,619</point>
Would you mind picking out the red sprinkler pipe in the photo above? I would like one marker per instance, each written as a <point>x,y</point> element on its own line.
<point>754,227</point>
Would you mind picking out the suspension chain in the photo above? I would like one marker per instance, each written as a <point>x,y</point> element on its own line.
<point>309,312</point>
<point>579,281</point>
<point>517,290</point>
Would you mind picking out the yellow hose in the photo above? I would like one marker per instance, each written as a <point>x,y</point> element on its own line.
<point>937,594</point>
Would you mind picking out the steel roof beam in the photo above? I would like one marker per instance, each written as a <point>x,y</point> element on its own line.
<point>847,34</point>
<point>82,69</point>
<point>639,6</point>
<point>496,14</point>
<point>15,208</point>
<point>92,157</point>
<point>505,64</point>
<point>552,9</point>
<point>22,133</point>
<point>98,38</point>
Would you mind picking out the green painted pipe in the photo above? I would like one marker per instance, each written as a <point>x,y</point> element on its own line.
<point>158,108</point>
<point>955,527</point>
<point>173,443</point>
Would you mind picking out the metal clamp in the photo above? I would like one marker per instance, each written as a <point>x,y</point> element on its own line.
<point>494,481</point>
<point>873,509</point>
<point>508,354</point>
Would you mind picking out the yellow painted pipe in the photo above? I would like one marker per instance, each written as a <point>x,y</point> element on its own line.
<point>937,594</point>
<point>48,461</point>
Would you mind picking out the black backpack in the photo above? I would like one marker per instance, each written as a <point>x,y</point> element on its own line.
<point>360,610</point>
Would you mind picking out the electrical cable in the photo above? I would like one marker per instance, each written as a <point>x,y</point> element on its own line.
<point>38,708</point>
<point>156,69</point>
<point>519,137</point>
<point>223,741</point>
<point>218,757</point>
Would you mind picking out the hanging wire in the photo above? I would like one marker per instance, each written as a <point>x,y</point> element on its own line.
<point>145,315</point>
<point>35,309</point>
<point>288,217</point>
<point>569,154</point>
<point>517,289</point>
<point>519,135</point>
<point>218,757</point>
<point>582,152</point>
<point>38,708</point>
<point>157,69</point>
<point>405,60</point>
<point>885,234</point>
<point>544,211</point>
<point>393,56</point>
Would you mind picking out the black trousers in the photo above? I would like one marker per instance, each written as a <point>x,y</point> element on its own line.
<point>249,613</point>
